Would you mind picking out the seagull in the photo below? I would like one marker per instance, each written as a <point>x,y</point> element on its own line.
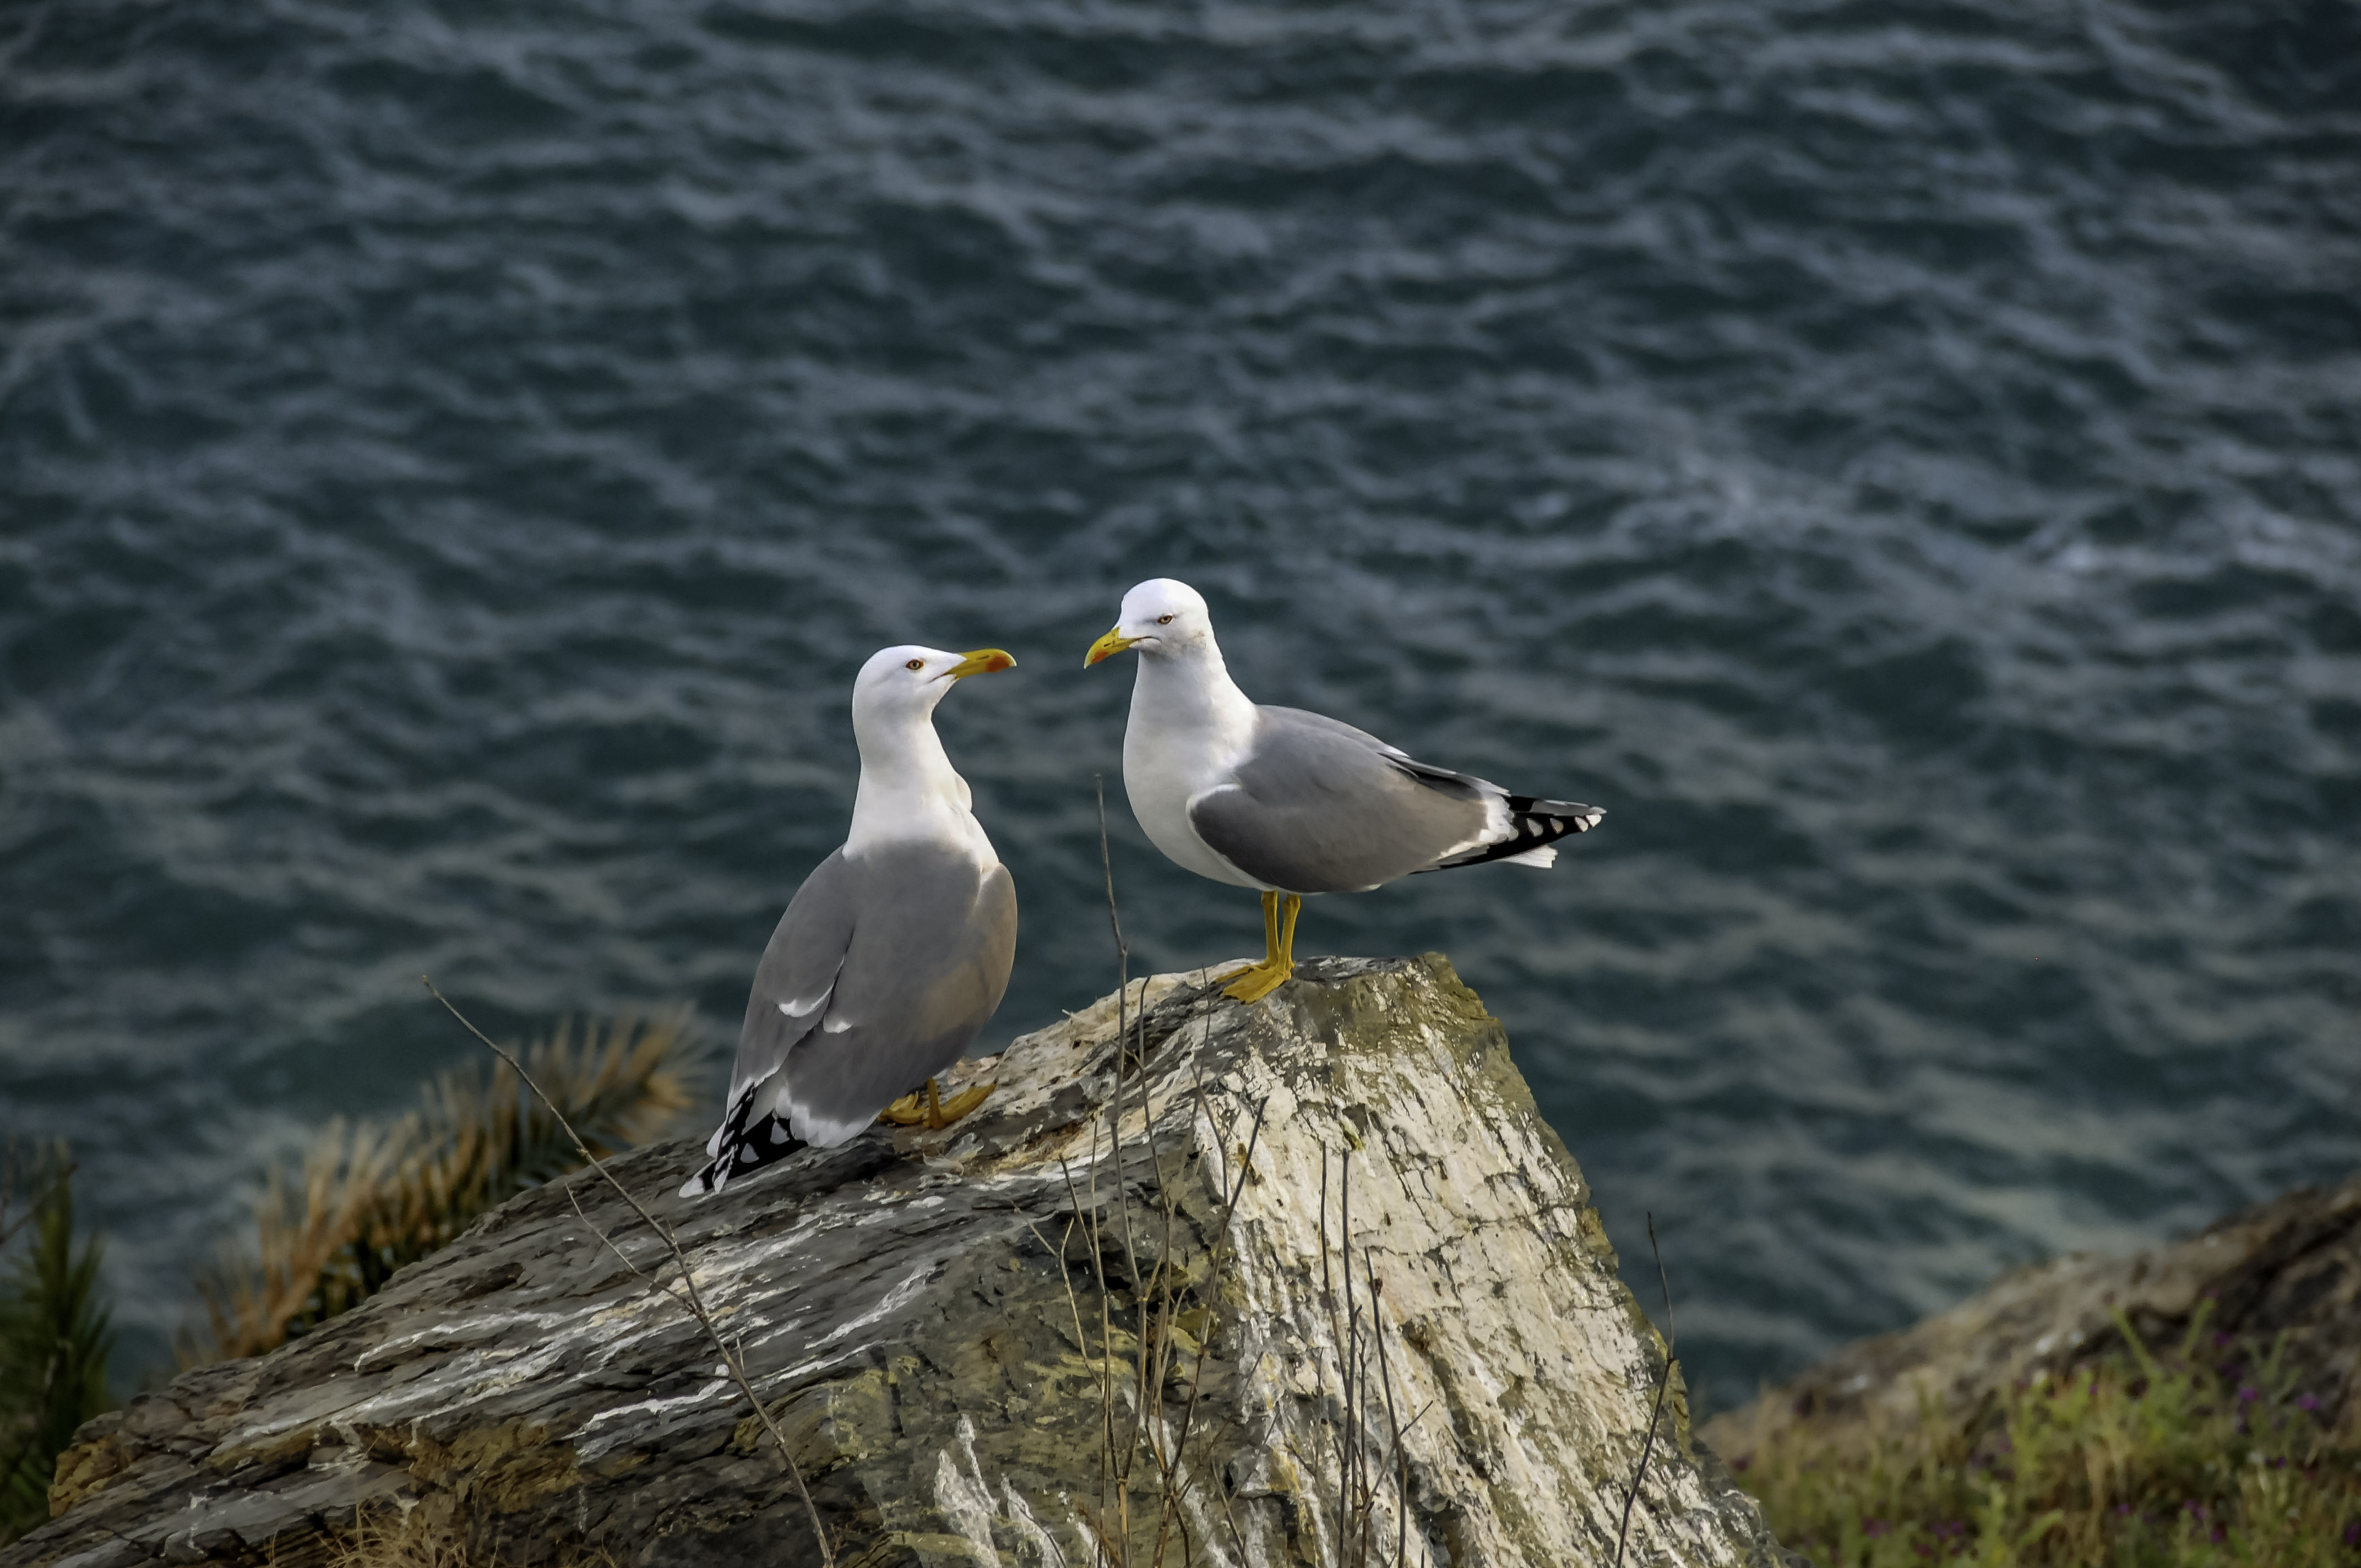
<point>1288,802</point>
<point>893,953</point>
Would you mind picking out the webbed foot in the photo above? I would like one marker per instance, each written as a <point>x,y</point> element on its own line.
<point>932,1112</point>
<point>1255,982</point>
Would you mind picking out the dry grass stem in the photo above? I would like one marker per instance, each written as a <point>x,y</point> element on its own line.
<point>1656,1414</point>
<point>1361,1463</point>
<point>1166,1338</point>
<point>377,1540</point>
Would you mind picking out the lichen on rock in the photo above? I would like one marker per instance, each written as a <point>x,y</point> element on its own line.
<point>1304,1282</point>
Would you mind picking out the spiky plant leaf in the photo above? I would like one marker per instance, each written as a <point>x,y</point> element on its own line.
<point>304,1267</point>
<point>481,1136</point>
<point>54,1343</point>
<point>371,1199</point>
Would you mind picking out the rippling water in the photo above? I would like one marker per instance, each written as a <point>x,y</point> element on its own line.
<point>1901,459</point>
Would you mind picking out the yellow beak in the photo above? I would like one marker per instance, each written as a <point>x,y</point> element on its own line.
<point>982,661</point>
<point>1107,647</point>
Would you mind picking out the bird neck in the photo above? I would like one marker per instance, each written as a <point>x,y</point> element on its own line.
<point>908,788</point>
<point>1188,687</point>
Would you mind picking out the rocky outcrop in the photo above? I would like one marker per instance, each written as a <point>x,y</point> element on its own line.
<point>2289,1268</point>
<point>1304,1282</point>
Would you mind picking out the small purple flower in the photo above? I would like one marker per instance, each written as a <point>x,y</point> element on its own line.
<point>2307,1401</point>
<point>2248,1393</point>
<point>1874,1527</point>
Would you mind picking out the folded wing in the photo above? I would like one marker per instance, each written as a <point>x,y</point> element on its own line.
<point>1319,807</point>
<point>934,939</point>
<point>883,970</point>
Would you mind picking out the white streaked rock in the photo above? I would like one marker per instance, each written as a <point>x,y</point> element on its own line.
<point>922,1312</point>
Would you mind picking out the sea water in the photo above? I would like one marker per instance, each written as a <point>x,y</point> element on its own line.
<point>1899,459</point>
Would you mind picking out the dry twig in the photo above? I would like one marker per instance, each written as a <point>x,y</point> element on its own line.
<point>1622,1530</point>
<point>688,1296</point>
<point>1367,1453</point>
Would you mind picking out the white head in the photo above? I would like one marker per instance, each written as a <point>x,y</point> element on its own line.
<point>1160,617</point>
<point>903,685</point>
<point>907,785</point>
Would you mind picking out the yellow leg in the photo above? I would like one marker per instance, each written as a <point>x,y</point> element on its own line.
<point>948,1111</point>
<point>936,1113</point>
<point>1259,980</point>
<point>1269,939</point>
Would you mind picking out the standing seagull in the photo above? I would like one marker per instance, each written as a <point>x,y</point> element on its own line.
<point>1289,802</point>
<point>891,955</point>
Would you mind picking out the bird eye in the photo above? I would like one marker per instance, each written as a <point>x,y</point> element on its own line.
<point>1163,620</point>
<point>916,664</point>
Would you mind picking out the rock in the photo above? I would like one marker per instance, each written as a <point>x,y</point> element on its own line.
<point>2291,1267</point>
<point>1407,1342</point>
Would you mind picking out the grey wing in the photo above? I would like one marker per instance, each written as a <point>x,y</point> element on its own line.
<point>1304,719</point>
<point>796,976</point>
<point>1320,807</point>
<point>1517,828</point>
<point>933,943</point>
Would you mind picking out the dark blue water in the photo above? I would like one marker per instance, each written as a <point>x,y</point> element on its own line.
<point>1902,460</point>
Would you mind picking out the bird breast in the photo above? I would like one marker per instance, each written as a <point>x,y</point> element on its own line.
<point>1163,773</point>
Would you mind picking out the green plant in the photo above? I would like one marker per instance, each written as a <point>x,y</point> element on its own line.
<point>54,1339</point>
<point>2209,1455</point>
<point>368,1199</point>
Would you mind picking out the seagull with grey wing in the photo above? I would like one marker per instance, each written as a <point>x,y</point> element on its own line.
<point>893,953</point>
<point>1288,802</point>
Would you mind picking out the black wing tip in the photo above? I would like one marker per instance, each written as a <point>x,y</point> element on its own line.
<point>746,1146</point>
<point>1535,825</point>
<point>1582,819</point>
<point>758,1145</point>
